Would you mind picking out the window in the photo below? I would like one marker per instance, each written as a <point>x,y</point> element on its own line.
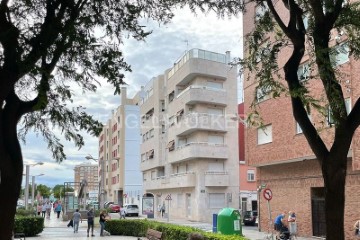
<point>303,72</point>
<point>216,139</point>
<point>171,96</point>
<point>171,121</point>
<point>298,128</point>
<point>262,93</point>
<point>162,105</point>
<point>151,154</point>
<point>264,134</point>
<point>339,54</point>
<point>144,176</point>
<point>250,175</point>
<point>216,200</point>
<point>179,115</point>
<point>215,111</point>
<point>153,175</point>
<point>215,85</point>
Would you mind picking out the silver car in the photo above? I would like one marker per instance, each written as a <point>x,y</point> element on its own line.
<point>131,209</point>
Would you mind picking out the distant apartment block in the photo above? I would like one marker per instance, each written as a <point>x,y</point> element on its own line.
<point>119,154</point>
<point>189,135</point>
<point>89,173</point>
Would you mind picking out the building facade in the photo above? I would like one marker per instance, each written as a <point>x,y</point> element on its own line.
<point>189,150</point>
<point>284,161</point>
<point>89,173</point>
<point>119,155</point>
<point>248,195</point>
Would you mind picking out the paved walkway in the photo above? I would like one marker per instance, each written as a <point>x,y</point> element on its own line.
<point>56,229</point>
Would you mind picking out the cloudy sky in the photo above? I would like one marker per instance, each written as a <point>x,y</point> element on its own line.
<point>148,59</point>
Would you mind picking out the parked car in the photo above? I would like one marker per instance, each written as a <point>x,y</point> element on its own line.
<point>250,217</point>
<point>114,208</point>
<point>131,209</point>
<point>107,204</point>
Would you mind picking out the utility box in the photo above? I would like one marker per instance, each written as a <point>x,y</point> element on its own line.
<point>229,222</point>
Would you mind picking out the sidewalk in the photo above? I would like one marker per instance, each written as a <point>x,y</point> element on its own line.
<point>56,229</point>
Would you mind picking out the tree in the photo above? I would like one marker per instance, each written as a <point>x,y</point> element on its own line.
<point>281,26</point>
<point>59,190</point>
<point>43,190</point>
<point>46,47</point>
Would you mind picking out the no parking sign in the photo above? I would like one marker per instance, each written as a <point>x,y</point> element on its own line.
<point>267,194</point>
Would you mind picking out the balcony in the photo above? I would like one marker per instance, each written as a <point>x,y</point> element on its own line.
<point>198,150</point>
<point>200,121</point>
<point>217,179</point>
<point>202,94</point>
<point>178,180</point>
<point>198,62</point>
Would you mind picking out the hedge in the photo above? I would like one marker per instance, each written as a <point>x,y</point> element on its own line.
<point>138,228</point>
<point>30,226</point>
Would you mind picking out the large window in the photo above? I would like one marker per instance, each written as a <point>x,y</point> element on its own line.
<point>298,128</point>
<point>216,200</point>
<point>340,54</point>
<point>262,93</point>
<point>303,72</point>
<point>264,134</point>
<point>250,175</point>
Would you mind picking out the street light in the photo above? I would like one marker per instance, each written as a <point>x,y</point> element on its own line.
<point>27,181</point>
<point>102,181</point>
<point>33,188</point>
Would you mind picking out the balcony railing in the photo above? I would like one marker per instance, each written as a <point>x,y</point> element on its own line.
<point>199,150</point>
<point>194,93</point>
<point>200,121</point>
<point>197,53</point>
<point>179,180</point>
<point>217,179</point>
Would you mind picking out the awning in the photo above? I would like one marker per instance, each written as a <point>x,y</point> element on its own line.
<point>171,144</point>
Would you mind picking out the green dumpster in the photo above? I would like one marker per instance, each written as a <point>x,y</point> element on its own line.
<point>229,222</point>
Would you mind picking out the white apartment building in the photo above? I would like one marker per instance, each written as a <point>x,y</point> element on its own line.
<point>120,178</point>
<point>189,131</point>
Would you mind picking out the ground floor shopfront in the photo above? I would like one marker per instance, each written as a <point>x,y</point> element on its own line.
<point>299,187</point>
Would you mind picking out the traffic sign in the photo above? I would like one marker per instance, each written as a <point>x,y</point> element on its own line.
<point>168,197</point>
<point>267,194</point>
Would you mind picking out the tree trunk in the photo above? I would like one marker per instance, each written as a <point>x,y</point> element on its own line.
<point>334,179</point>
<point>11,168</point>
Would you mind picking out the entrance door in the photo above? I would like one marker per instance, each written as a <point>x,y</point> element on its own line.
<point>318,212</point>
<point>188,205</point>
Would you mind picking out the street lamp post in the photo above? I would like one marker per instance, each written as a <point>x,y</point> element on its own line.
<point>102,181</point>
<point>33,188</point>
<point>27,182</point>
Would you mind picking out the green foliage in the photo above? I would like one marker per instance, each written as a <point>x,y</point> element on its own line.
<point>138,228</point>
<point>30,226</point>
<point>25,213</point>
<point>44,190</point>
<point>59,189</point>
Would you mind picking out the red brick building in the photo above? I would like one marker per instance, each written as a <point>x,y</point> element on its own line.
<point>283,158</point>
<point>248,194</point>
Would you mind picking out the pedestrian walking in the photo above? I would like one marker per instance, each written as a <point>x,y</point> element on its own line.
<point>43,210</point>
<point>48,210</point>
<point>90,220</point>
<point>292,224</point>
<point>162,210</point>
<point>58,209</point>
<point>102,221</point>
<point>39,209</point>
<point>122,212</point>
<point>76,219</point>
